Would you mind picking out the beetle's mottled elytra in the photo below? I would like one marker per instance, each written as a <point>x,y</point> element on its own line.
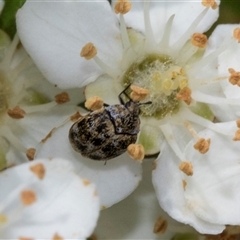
<point>106,133</point>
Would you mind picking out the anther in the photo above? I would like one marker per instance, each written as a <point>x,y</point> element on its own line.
<point>39,170</point>
<point>236,34</point>
<point>28,197</point>
<point>234,78</point>
<point>75,117</point>
<point>30,153</point>
<point>187,168</point>
<point>122,6</point>
<point>138,93</point>
<point>209,3</point>
<point>185,95</point>
<point>57,237</point>
<point>89,51</point>
<point>237,135</point>
<point>160,226</point>
<point>202,145</point>
<point>16,113</point>
<point>136,151</point>
<point>94,103</point>
<point>199,40</point>
<point>62,98</point>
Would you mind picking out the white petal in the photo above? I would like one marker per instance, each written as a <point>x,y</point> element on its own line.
<point>64,204</point>
<point>213,191</point>
<point>54,33</point>
<point>168,184</point>
<point>114,181</point>
<point>160,11</point>
<point>135,216</point>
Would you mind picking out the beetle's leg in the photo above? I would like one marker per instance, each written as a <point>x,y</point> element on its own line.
<point>124,92</point>
<point>105,104</point>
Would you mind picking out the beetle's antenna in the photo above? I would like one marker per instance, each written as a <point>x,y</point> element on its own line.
<point>149,102</point>
<point>124,92</point>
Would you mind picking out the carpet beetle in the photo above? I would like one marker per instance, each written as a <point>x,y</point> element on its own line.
<point>106,133</point>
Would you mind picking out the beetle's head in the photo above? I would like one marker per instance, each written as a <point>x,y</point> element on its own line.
<point>134,106</point>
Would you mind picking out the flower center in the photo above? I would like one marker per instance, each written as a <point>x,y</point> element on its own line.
<point>163,78</point>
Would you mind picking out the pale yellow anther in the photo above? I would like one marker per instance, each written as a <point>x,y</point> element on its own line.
<point>160,226</point>
<point>156,76</point>
<point>238,123</point>
<point>88,51</point>
<point>209,3</point>
<point>236,34</point>
<point>187,168</point>
<point>237,135</point>
<point>28,197</point>
<point>138,93</point>
<point>183,82</point>
<point>199,40</point>
<point>167,84</point>
<point>94,103</point>
<point>202,145</point>
<point>62,98</point>
<point>3,219</point>
<point>122,6</point>
<point>39,170</point>
<point>185,95</point>
<point>30,153</point>
<point>234,77</point>
<point>16,113</point>
<point>136,151</point>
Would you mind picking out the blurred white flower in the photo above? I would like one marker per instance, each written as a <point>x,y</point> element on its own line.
<point>45,199</point>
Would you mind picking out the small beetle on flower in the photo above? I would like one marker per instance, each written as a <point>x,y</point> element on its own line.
<point>108,131</point>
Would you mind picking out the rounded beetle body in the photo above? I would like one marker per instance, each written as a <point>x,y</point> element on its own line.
<point>106,133</point>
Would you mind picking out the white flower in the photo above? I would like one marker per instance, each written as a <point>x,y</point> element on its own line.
<point>165,52</point>
<point>45,199</point>
<point>25,98</point>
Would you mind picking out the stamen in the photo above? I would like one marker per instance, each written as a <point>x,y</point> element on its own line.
<point>30,153</point>
<point>94,103</point>
<point>167,131</point>
<point>160,226</point>
<point>234,78</point>
<point>210,57</point>
<point>122,6</point>
<point>186,54</point>
<point>57,237</point>
<point>236,34</point>
<point>89,51</point>
<point>187,168</point>
<point>16,113</point>
<point>190,116</point>
<point>124,34</point>
<point>209,3</point>
<point>184,183</point>
<point>185,95</point>
<point>199,40</point>
<point>136,151</point>
<point>28,197</point>
<point>165,41</point>
<point>39,170</point>
<point>138,93</point>
<point>150,39</point>
<point>202,145</point>
<point>185,37</point>
<point>62,98</point>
